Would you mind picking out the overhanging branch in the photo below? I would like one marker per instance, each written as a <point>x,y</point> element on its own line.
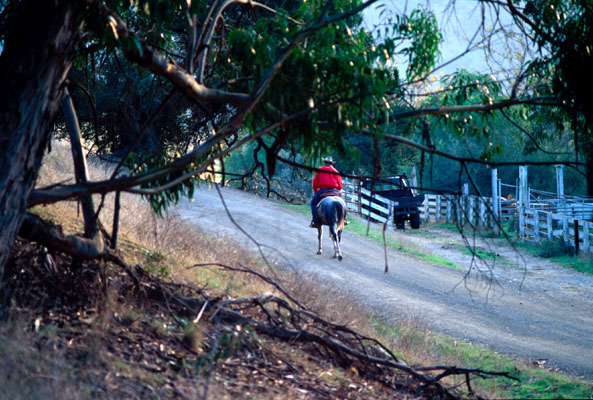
<point>468,108</point>
<point>411,143</point>
<point>150,58</point>
<point>154,59</point>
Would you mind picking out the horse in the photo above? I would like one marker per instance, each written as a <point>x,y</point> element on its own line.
<point>331,211</point>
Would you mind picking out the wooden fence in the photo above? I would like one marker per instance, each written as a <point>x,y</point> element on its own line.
<point>365,203</point>
<point>474,210</point>
<point>536,225</point>
<point>533,224</point>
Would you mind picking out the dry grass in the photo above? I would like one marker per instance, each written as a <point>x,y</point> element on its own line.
<point>180,246</point>
<point>28,372</point>
<point>170,248</point>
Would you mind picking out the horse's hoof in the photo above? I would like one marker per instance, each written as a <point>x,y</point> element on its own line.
<point>340,258</point>
<point>319,252</point>
<point>335,256</point>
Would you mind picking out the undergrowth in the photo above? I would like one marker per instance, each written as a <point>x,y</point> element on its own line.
<point>536,381</point>
<point>85,331</point>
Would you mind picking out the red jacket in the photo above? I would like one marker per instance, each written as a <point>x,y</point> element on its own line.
<point>324,180</point>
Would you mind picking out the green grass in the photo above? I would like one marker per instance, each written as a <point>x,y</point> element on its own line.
<point>535,382</point>
<point>579,263</point>
<point>304,209</point>
<point>483,254</point>
<point>375,234</point>
<point>478,252</point>
<point>506,227</point>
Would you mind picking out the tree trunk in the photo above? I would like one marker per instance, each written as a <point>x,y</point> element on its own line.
<point>81,173</point>
<point>38,53</point>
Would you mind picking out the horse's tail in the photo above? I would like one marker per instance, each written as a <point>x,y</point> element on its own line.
<point>340,214</point>
<point>341,218</point>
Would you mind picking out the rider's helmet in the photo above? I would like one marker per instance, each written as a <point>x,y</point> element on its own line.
<point>328,160</point>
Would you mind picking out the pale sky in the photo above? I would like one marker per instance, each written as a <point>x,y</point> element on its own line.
<point>458,22</point>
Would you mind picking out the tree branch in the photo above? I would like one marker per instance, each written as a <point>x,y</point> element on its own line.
<point>466,108</point>
<point>38,230</point>
<point>156,62</point>
<point>411,143</point>
<point>49,235</point>
<point>205,37</point>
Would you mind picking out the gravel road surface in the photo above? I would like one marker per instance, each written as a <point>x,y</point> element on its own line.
<point>545,312</point>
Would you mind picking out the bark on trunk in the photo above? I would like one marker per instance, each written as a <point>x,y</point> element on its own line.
<point>91,229</point>
<point>36,58</point>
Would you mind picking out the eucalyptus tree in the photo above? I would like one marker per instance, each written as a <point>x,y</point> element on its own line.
<point>201,78</point>
<point>562,31</point>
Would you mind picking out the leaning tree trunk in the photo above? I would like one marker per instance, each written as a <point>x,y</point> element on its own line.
<point>38,53</point>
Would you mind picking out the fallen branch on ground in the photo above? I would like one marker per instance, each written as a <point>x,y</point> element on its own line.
<point>350,348</point>
<point>36,229</point>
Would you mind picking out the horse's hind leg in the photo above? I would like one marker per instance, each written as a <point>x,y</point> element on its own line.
<point>336,240</point>
<point>337,249</point>
<point>319,238</point>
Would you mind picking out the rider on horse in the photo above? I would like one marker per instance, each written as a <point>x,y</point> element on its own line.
<point>324,182</point>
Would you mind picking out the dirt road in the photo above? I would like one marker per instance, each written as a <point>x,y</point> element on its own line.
<point>548,315</point>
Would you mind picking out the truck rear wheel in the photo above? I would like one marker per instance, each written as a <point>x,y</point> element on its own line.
<point>415,221</point>
<point>400,222</point>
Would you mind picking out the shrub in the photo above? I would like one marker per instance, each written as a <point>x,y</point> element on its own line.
<point>555,248</point>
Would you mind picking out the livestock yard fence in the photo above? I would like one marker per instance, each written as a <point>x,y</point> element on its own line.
<point>535,215</point>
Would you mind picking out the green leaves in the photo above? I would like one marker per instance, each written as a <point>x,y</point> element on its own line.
<point>162,200</point>
<point>335,76</point>
<point>465,88</point>
<point>422,31</point>
<point>563,31</point>
<point>339,80</point>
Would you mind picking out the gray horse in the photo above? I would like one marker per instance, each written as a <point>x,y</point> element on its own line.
<point>331,211</point>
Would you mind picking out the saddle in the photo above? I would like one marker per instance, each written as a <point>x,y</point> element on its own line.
<point>329,193</point>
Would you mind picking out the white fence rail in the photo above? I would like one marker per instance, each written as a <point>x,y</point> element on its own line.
<point>474,210</point>
<point>536,225</point>
<point>357,199</point>
<point>533,224</point>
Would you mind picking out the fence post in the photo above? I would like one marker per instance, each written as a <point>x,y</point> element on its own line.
<point>470,209</point>
<point>438,214</point>
<point>560,185</point>
<point>495,200</point>
<point>413,179</point>
<point>448,217</point>
<point>359,187</point>
<point>565,229</point>
<point>586,243</point>
<point>483,223</point>
<point>536,225</point>
<point>426,209</point>
<point>464,202</point>
<point>521,222</point>
<point>523,187</point>
<point>492,221</point>
<point>550,224</point>
<point>576,236</point>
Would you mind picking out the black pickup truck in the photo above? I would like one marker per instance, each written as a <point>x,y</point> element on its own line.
<point>405,203</point>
